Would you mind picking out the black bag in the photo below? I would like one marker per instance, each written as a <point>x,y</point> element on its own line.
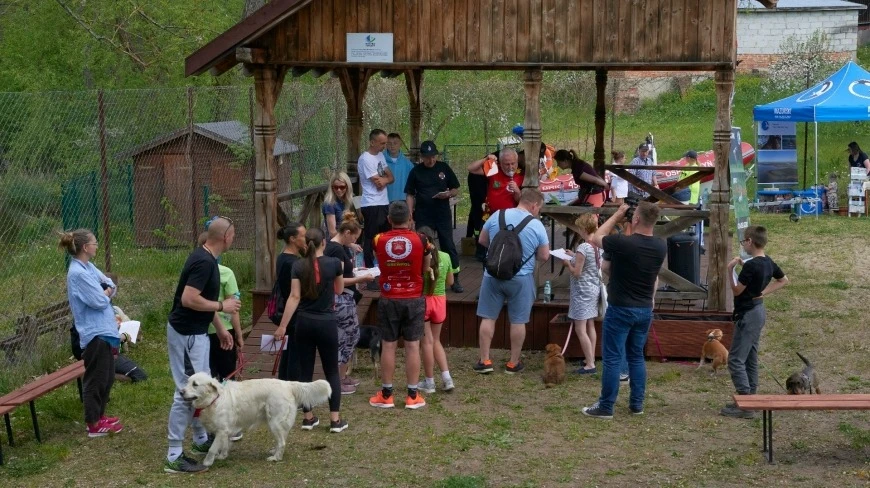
<point>275,304</point>
<point>505,255</point>
<point>75,342</point>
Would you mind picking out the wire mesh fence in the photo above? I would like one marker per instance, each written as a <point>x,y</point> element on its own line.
<point>144,169</point>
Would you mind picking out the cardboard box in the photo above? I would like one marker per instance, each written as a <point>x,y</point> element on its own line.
<point>468,246</point>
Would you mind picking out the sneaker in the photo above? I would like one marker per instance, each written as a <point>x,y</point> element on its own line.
<point>103,428</point>
<point>110,420</point>
<point>237,436</point>
<point>183,464</point>
<point>427,387</point>
<point>448,385</point>
<point>379,401</point>
<point>635,410</point>
<point>583,370</point>
<point>310,424</point>
<point>623,378</point>
<point>596,411</point>
<point>203,448</point>
<point>348,380</point>
<point>483,367</point>
<point>457,288</point>
<point>511,368</point>
<point>347,389</point>
<point>337,426</point>
<point>738,413</point>
<point>415,403</point>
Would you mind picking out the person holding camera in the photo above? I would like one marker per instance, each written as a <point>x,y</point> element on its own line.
<point>635,264</point>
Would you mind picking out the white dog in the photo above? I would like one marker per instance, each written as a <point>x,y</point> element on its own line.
<point>240,405</point>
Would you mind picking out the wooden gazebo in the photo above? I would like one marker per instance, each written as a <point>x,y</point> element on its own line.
<point>354,39</point>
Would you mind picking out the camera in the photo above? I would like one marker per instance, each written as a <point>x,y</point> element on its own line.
<point>631,200</point>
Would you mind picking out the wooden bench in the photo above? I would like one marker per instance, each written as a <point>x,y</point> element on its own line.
<point>768,403</point>
<point>53,318</point>
<point>35,389</point>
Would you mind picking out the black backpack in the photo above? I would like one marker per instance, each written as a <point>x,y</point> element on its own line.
<point>505,255</point>
<point>275,304</point>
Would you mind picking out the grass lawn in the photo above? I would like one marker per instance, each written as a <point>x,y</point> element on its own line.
<point>502,430</point>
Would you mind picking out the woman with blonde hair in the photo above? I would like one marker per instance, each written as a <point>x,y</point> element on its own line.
<point>337,201</point>
<point>89,292</point>
<point>585,288</point>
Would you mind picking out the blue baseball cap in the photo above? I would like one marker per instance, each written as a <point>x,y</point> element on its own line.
<point>518,130</point>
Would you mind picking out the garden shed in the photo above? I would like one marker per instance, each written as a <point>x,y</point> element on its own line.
<point>183,177</point>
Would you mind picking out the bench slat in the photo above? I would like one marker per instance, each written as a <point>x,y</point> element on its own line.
<point>855,401</point>
<point>43,385</point>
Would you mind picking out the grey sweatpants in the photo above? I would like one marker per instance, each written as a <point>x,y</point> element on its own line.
<point>188,354</point>
<point>743,355</point>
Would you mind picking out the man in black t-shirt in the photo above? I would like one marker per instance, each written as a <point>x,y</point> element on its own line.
<point>759,277</point>
<point>635,264</point>
<point>194,306</point>
<point>430,186</point>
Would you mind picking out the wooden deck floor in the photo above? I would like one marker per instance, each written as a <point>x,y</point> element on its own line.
<point>671,338</point>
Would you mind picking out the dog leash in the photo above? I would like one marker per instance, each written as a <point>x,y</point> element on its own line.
<point>772,376</point>
<point>568,339</point>
<point>241,362</point>
<point>278,355</point>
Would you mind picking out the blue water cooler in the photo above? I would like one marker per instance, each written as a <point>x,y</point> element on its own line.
<point>812,207</point>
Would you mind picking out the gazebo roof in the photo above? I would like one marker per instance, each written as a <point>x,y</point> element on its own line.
<point>489,34</point>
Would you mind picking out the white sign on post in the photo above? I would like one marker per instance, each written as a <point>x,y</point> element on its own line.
<point>371,47</point>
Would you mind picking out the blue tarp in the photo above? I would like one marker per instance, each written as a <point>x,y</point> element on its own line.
<point>843,96</point>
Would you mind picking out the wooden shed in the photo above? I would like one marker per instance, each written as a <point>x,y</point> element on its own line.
<point>184,177</point>
<point>354,39</point>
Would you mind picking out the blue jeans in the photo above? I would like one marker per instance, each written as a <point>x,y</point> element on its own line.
<point>624,336</point>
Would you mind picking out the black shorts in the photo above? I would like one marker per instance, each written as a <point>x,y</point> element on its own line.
<point>401,318</point>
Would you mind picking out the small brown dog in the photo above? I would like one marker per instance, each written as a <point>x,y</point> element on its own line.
<point>713,349</point>
<point>805,381</point>
<point>554,366</point>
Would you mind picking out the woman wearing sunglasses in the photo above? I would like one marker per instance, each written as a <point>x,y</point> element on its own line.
<point>337,201</point>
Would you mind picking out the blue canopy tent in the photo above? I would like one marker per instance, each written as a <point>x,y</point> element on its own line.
<point>842,97</point>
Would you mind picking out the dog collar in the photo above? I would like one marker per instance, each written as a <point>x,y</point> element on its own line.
<point>198,411</point>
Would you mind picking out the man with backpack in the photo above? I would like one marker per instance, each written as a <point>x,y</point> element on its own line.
<point>513,237</point>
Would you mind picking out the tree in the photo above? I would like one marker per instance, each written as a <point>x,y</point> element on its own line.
<point>801,64</point>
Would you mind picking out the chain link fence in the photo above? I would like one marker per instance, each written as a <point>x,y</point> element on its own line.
<point>144,169</point>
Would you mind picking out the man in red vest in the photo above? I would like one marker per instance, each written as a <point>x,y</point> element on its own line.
<point>402,258</point>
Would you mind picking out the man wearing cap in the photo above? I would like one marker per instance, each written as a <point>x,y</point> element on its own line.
<point>430,186</point>
<point>689,195</point>
<point>647,175</point>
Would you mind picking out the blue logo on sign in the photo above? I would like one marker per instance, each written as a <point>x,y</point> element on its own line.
<point>370,40</point>
<point>764,125</point>
<point>387,287</point>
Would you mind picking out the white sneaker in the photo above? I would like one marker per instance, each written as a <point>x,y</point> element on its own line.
<point>237,436</point>
<point>426,387</point>
<point>448,384</point>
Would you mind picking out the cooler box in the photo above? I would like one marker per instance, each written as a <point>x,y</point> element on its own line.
<point>812,207</point>
<point>684,256</point>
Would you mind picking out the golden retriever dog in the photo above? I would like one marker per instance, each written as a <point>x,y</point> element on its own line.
<point>241,405</point>
<point>713,349</point>
<point>554,366</point>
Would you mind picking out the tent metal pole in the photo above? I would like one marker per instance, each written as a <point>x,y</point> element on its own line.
<point>816,125</point>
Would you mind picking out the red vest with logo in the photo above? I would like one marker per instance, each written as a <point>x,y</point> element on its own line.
<point>400,258</point>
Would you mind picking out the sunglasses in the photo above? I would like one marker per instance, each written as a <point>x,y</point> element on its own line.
<point>208,223</point>
<point>339,187</point>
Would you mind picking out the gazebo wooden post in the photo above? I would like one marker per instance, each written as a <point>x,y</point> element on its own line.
<point>268,81</point>
<point>414,84</point>
<point>532,125</point>
<point>717,244</point>
<point>354,83</point>
<point>600,119</point>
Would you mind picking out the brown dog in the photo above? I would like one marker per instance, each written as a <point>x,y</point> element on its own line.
<point>713,349</point>
<point>554,366</point>
<point>805,381</point>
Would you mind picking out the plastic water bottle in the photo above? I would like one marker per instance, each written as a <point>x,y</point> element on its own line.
<point>358,260</point>
<point>561,193</point>
<point>547,291</point>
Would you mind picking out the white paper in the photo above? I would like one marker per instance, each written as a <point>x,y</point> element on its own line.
<point>131,328</point>
<point>268,344</point>
<point>367,272</point>
<point>734,272</point>
<point>560,254</point>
